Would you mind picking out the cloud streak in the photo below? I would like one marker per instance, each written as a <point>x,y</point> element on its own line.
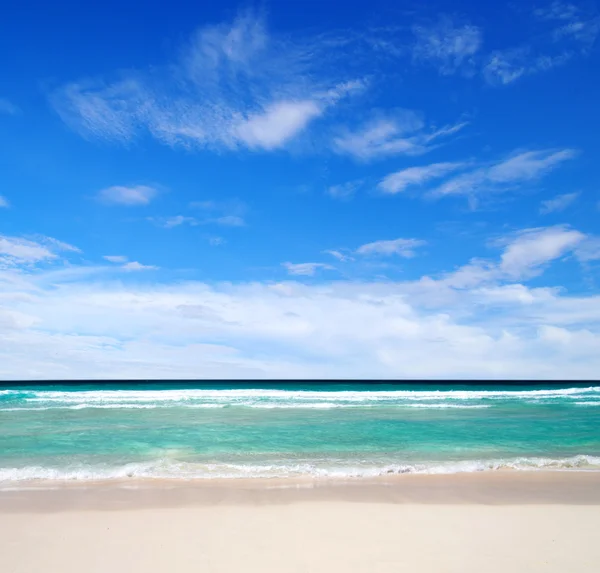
<point>517,169</point>
<point>399,181</point>
<point>405,248</point>
<point>402,132</point>
<point>15,251</point>
<point>567,31</point>
<point>558,203</point>
<point>130,196</point>
<point>448,46</point>
<point>235,86</point>
<point>306,269</point>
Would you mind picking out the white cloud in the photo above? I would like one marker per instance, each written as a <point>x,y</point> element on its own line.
<point>178,220</point>
<point>305,269</point>
<point>401,180</point>
<point>533,248</point>
<point>216,241</point>
<point>278,123</point>
<point>574,22</point>
<point>402,132</point>
<point>528,165</point>
<point>57,245</point>
<point>229,221</point>
<point>447,46</point>
<point>127,265</point>
<point>4,202</point>
<point>8,107</point>
<point>16,251</point>
<point>174,221</point>
<point>557,10</point>
<point>344,190</point>
<point>495,328</point>
<point>566,32</point>
<point>401,247</point>
<point>234,85</point>
<point>505,67</point>
<point>227,213</point>
<point>135,266</point>
<point>588,250</point>
<point>525,255</point>
<point>132,195</point>
<point>342,257</point>
<point>558,203</point>
<point>517,169</point>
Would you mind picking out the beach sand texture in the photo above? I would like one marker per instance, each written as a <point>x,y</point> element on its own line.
<point>230,529</point>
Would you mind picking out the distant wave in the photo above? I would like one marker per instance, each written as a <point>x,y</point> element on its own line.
<point>271,398</point>
<point>165,469</point>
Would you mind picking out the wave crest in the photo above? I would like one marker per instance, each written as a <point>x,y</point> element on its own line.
<point>168,469</point>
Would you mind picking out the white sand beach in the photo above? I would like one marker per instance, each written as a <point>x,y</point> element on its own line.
<point>530,523</point>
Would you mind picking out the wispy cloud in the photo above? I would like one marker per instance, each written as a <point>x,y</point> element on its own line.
<point>516,169</point>
<point>115,258</point>
<point>173,221</point>
<point>4,202</point>
<point>226,213</point>
<point>405,248</point>
<point>558,203</point>
<point>344,190</point>
<point>448,46</point>
<point>306,269</point>
<point>557,10</point>
<point>339,255</point>
<point>566,31</point>
<point>236,85</point>
<point>127,265</point>
<point>135,266</point>
<point>6,106</point>
<point>228,221</point>
<point>416,176</point>
<point>525,255</point>
<point>504,67</point>
<point>402,132</point>
<point>573,22</point>
<point>588,250</point>
<point>16,251</point>
<point>128,195</point>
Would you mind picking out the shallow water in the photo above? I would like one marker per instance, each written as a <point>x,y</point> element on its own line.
<point>223,431</point>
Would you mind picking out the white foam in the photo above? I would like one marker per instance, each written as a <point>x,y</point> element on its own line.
<point>165,469</point>
<point>329,395</point>
<point>273,398</point>
<point>455,406</point>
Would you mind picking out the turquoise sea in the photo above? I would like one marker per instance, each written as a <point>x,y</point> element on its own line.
<point>191,431</point>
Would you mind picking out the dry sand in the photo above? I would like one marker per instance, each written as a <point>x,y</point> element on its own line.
<point>483,523</point>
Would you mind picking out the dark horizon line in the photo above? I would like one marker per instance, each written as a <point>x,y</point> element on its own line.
<point>304,381</point>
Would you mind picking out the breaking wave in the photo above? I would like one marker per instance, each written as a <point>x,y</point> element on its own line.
<point>168,469</point>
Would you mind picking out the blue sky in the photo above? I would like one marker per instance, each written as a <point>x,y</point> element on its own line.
<point>296,190</point>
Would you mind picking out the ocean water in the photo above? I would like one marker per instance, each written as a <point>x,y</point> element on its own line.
<point>184,431</point>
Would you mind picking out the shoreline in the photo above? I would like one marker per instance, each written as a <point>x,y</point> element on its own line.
<point>505,487</point>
